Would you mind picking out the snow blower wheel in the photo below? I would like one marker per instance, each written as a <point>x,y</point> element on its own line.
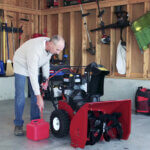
<point>59,123</point>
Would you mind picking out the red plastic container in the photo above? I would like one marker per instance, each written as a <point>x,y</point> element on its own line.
<point>37,129</point>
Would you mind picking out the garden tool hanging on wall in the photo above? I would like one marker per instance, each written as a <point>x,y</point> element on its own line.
<point>9,67</point>
<point>4,40</point>
<point>105,39</point>
<point>2,70</point>
<point>12,28</point>
<point>91,49</point>
<point>122,20</point>
<point>122,17</point>
<point>22,20</point>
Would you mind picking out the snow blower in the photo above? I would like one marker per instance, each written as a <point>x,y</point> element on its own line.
<point>80,112</point>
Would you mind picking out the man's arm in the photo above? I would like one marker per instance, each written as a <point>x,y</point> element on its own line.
<point>45,73</point>
<point>33,70</point>
<point>45,70</point>
<point>40,102</point>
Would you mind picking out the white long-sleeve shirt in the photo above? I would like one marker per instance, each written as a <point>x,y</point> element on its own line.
<point>29,57</point>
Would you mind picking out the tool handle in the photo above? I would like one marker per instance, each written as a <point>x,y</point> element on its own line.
<point>4,36</point>
<point>20,34</point>
<point>7,41</point>
<point>41,113</point>
<point>13,37</point>
<point>24,19</point>
<point>36,121</point>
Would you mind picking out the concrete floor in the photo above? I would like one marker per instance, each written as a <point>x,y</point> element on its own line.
<point>138,140</point>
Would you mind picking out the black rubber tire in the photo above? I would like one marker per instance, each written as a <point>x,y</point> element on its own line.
<point>62,118</point>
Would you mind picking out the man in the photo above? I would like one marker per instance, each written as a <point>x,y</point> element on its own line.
<point>28,58</point>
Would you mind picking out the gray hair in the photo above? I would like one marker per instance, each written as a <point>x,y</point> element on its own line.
<point>56,38</point>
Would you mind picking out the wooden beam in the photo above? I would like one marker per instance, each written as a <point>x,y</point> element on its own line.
<point>97,41</point>
<point>129,43</point>
<point>112,45</point>
<point>60,24</point>
<point>136,75</point>
<point>40,24</point>
<point>36,23</point>
<point>86,6</point>
<point>49,25</point>
<point>35,4</point>
<point>92,5</point>
<point>72,38</point>
<point>60,28</point>
<point>18,9</point>
<point>32,25</point>
<point>136,1</point>
<point>84,43</point>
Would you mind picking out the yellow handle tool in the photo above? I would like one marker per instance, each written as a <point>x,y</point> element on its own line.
<point>4,46</point>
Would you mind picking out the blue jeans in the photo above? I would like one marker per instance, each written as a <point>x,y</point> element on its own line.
<point>20,100</point>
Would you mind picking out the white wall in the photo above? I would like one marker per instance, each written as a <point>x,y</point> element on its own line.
<point>7,90</point>
<point>117,89</point>
<point>114,89</point>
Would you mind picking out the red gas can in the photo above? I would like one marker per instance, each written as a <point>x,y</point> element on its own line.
<point>38,129</point>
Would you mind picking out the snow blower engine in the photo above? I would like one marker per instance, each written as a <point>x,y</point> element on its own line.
<point>81,113</point>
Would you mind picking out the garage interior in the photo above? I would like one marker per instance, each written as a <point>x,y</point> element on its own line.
<point>32,17</point>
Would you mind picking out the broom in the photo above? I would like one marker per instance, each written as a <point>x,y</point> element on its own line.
<point>9,67</point>
<point>2,70</point>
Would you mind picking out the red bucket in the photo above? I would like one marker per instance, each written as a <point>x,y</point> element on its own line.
<point>37,129</point>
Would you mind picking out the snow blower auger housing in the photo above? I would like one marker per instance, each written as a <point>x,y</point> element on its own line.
<point>81,113</point>
<point>99,120</point>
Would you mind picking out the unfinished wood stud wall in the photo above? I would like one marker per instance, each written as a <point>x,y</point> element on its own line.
<point>137,64</point>
<point>27,9</point>
<point>67,21</point>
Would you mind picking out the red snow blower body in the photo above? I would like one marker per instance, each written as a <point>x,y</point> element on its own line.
<point>81,113</point>
<point>79,123</point>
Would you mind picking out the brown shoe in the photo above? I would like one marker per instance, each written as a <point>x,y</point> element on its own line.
<point>18,131</point>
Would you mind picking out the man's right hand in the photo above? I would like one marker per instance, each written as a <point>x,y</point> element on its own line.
<point>44,85</point>
<point>40,102</point>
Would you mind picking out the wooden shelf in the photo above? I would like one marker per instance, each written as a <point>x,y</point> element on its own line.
<point>19,9</point>
<point>92,5</point>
